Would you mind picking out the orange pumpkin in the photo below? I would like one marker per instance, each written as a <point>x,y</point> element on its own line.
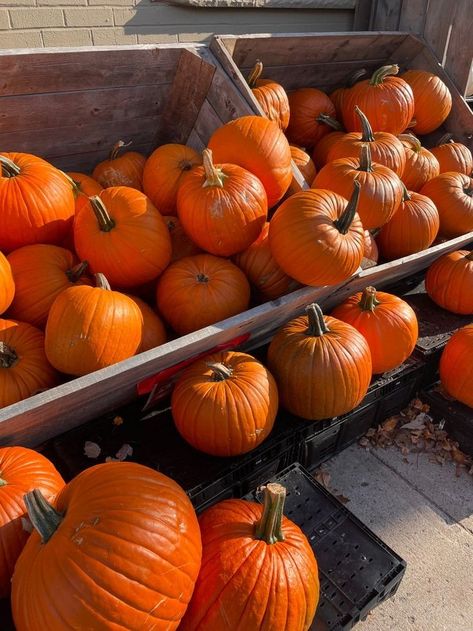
<point>305,165</point>
<point>124,169</point>
<point>153,331</point>
<point>449,282</point>
<point>456,368</point>
<point>452,194</point>
<point>163,173</point>
<point>7,284</point>
<point>421,164</point>
<point>453,156</point>
<point>388,323</point>
<point>259,146</point>
<point>324,145</point>
<point>308,107</point>
<point>338,95</point>
<point>432,99</point>
<point>181,244</point>
<point>200,290</point>
<point>271,96</point>
<point>371,248</point>
<point>84,187</point>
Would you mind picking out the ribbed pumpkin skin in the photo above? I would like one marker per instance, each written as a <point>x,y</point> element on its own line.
<point>124,170</point>
<point>273,100</point>
<point>200,290</point>
<point>130,547</point>
<point>132,253</point>
<point>36,206</point>
<point>323,147</point>
<point>386,149</point>
<point>454,156</point>
<point>87,187</point>
<point>306,105</point>
<point>154,333</point>
<point>421,167</point>
<point>456,367</point>
<point>181,244</point>
<point>390,329</point>
<point>32,371</point>
<point>259,146</point>
<point>449,282</point>
<point>247,584</point>
<point>163,173</point>
<point>320,377</point>
<point>432,99</point>
<point>449,193</point>
<point>413,228</point>
<point>227,417</point>
<point>306,166</point>
<point>40,273</point>
<point>21,471</point>
<point>7,284</point>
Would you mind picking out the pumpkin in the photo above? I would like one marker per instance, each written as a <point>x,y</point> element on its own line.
<point>120,544</point>
<point>316,238</point>
<point>305,165</point>
<point>270,95</point>
<point>41,272</point>
<point>386,100</point>
<point>200,290</point>
<point>181,244</point>
<point>7,284</point>
<point>261,269</point>
<point>381,189</point>
<point>221,207</point>
<point>388,323</point>
<point>421,164</point>
<point>412,229</point>
<point>456,368</point>
<point>89,328</point>
<point>121,234</point>
<point>338,95</point>
<point>259,146</point>
<point>163,173</point>
<point>371,248</point>
<point>452,194</point>
<point>153,331</point>
<point>36,202</point>
<point>21,471</point>
<point>449,282</point>
<point>322,366</point>
<point>124,169</point>
<point>432,99</point>
<point>324,145</point>
<point>24,369</point>
<point>258,570</point>
<point>385,148</point>
<point>453,156</point>
<point>225,404</point>
<point>84,187</point>
<point>308,108</point>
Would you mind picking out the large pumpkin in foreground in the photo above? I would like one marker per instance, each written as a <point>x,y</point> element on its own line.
<point>456,367</point>
<point>449,282</point>
<point>120,548</point>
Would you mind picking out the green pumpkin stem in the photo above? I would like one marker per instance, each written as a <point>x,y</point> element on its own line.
<point>74,185</point>
<point>117,147</point>
<point>366,130</point>
<point>101,282</point>
<point>412,140</point>
<point>445,139</point>
<point>365,159</point>
<point>255,74</point>
<point>343,224</point>
<point>213,175</point>
<point>355,77</point>
<point>44,517</point>
<point>269,527</point>
<point>330,121</point>
<point>380,75</point>
<point>406,196</point>
<point>8,167</point>
<point>7,356</point>
<point>368,300</point>
<point>106,223</point>
<point>77,271</point>
<point>316,326</point>
<point>220,372</point>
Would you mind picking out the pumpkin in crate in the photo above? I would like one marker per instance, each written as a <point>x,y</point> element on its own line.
<point>421,164</point>
<point>371,252</point>
<point>270,95</point>
<point>89,328</point>
<point>181,244</point>
<point>84,187</point>
<point>258,571</point>
<point>449,282</point>
<point>304,163</point>
<point>153,330</point>
<point>307,124</point>
<point>456,367</point>
<point>453,156</point>
<point>41,273</point>
<point>388,323</point>
<point>381,189</point>
<point>121,169</point>
<point>412,229</point>
<point>122,235</point>
<point>225,404</point>
<point>259,146</point>
<point>316,237</point>
<point>163,173</point>
<point>432,100</point>
<point>126,538</point>
<point>21,471</point>
<point>324,145</point>
<point>452,194</point>
<point>36,202</point>
<point>24,368</point>
<point>322,365</point>
<point>338,95</point>
<point>7,283</point>
<point>222,207</point>
<point>200,290</point>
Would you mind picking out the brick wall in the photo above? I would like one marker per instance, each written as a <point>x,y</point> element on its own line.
<point>37,23</point>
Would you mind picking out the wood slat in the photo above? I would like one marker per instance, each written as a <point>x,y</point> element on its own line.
<point>413,15</point>
<point>438,26</point>
<point>85,162</point>
<point>386,15</point>
<point>459,54</point>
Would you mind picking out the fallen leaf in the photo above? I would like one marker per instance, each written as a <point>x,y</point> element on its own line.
<point>342,498</point>
<point>92,450</point>
<point>124,451</point>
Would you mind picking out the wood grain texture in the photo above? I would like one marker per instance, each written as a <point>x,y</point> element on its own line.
<point>458,60</point>
<point>386,15</point>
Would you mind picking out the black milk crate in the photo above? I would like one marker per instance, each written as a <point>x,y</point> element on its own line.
<point>357,570</point>
<point>6,622</point>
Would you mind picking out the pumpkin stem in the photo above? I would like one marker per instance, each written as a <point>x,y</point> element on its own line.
<point>330,121</point>
<point>365,159</point>
<point>75,185</point>
<point>101,282</point>
<point>269,527</point>
<point>44,517</point>
<point>8,167</point>
<point>445,139</point>
<point>106,223</point>
<point>468,191</point>
<point>355,77</point>
<point>202,278</point>
<point>343,224</point>
<point>380,75</point>
<point>213,176</point>
<point>2,481</point>
<point>366,130</point>
<point>77,271</point>
<point>316,321</point>
<point>7,356</point>
<point>368,299</point>
<point>413,140</point>
<point>255,74</point>
<point>117,147</point>
<point>220,372</point>
<point>406,196</point>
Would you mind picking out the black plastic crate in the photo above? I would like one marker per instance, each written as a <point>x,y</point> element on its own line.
<point>357,570</point>
<point>6,623</point>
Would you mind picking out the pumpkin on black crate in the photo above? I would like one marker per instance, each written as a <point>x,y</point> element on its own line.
<point>456,367</point>
<point>449,282</point>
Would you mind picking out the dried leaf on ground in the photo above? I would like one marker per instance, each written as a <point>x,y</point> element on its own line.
<point>322,476</point>
<point>124,451</point>
<point>92,450</point>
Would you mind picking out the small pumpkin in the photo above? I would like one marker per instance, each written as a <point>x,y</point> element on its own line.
<point>121,169</point>
<point>452,194</point>
<point>225,404</point>
<point>258,570</point>
<point>89,328</point>
<point>304,163</point>
<point>84,187</point>
<point>432,99</point>
<point>324,145</point>
<point>7,283</point>
<point>338,95</point>
<point>453,156</point>
<point>449,282</point>
<point>181,244</point>
<point>221,207</point>
<point>421,164</point>
<point>270,95</point>
<point>163,173</point>
<point>200,290</point>
<point>371,248</point>
<point>456,367</point>
<point>388,323</point>
<point>308,107</point>
<point>153,330</point>
<point>21,471</point>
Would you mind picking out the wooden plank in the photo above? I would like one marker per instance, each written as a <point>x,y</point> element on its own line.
<point>362,18</point>
<point>195,141</point>
<point>459,54</point>
<point>408,50</point>
<point>413,15</point>
<point>85,162</point>
<point>438,26</point>
<point>386,15</point>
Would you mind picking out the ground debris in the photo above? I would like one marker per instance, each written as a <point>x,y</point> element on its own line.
<point>322,476</point>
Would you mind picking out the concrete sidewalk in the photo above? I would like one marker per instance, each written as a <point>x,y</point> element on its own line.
<point>425,514</point>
